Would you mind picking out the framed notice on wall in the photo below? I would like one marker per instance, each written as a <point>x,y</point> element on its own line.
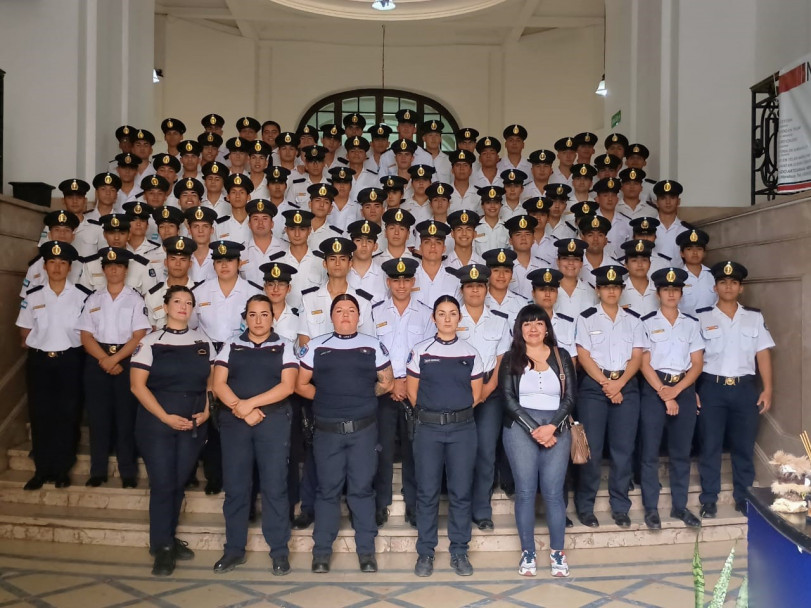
<point>794,135</point>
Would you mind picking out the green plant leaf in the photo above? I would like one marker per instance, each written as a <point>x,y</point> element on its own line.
<point>698,576</point>
<point>719,594</point>
<point>743,594</point>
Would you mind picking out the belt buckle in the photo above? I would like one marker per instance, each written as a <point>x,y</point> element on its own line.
<point>52,354</point>
<point>445,418</point>
<point>613,376</point>
<point>675,377</point>
<point>730,381</point>
<point>112,349</point>
<point>347,427</point>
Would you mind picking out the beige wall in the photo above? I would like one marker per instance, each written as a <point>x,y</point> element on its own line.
<point>546,81</point>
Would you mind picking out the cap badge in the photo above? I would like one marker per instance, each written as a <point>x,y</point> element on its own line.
<point>140,135</point>
<point>635,149</point>
<point>365,228</point>
<point>62,218</point>
<point>584,170</point>
<point>212,119</point>
<point>257,146</point>
<point>420,171</point>
<point>245,122</point>
<point>74,185</point>
<point>433,125</point>
<point>260,206</point>
<point>464,217</point>
<point>114,222</point>
<point>522,223</point>
<point>668,187</point>
<point>645,224</point>
<point>640,246</point>
<point>165,160</point>
<point>401,267</point>
<point>610,183</point>
<point>333,130</point>
<point>607,159</point>
<point>237,180</point>
<point>404,145</point>
<point>569,142</point>
<point>559,190</point>
<point>373,196</point>
<point>515,130</point>
<point>547,277</point>
<point>381,131</point>
<point>511,176</point>
<point>189,184</point>
<point>492,193</point>
<point>539,204</point>
<point>587,138</point>
<point>595,222</point>
<point>108,179</point>
<point>210,137</point>
<point>398,217</point>
<point>542,156</point>
<point>215,169</point>
<point>671,276</point>
<point>693,237</point>
<point>440,190</point>
<point>728,270</point>
<point>237,143</point>
<point>56,249</point>
<point>342,174</point>
<point>137,209</point>
<point>277,173</point>
<point>180,245</point>
<point>614,138</point>
<point>572,246</point>
<point>111,255</point>
<point>189,147</point>
<point>611,275</point>
<point>487,141</point>
<point>585,209</point>
<point>128,159</point>
<point>432,229</point>
<point>322,191</point>
<point>198,215</point>
<point>336,246</point>
<point>502,257</point>
<point>165,213</point>
<point>222,249</point>
<point>474,273</point>
<point>468,135</point>
<point>126,130</point>
<point>154,181</point>
<point>407,115</point>
<point>354,118</point>
<point>275,272</point>
<point>287,138</point>
<point>297,219</point>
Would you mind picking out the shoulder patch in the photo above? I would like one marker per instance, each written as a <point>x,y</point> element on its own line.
<point>690,316</point>
<point>309,290</point>
<point>750,309</point>
<point>363,294</point>
<point>498,313</point>
<point>705,309</point>
<point>302,351</point>
<point>222,219</point>
<point>647,316</point>
<point>156,288</point>
<point>277,255</point>
<point>84,289</point>
<point>564,317</point>
<point>588,312</point>
<point>376,304</point>
<point>631,312</point>
<point>336,229</point>
<point>33,289</point>
<point>33,260</point>
<point>259,287</point>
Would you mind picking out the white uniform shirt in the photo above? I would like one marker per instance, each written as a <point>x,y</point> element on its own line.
<point>287,324</point>
<point>202,272</point>
<point>564,230</point>
<point>564,328</point>
<point>523,165</point>
<point>421,212</point>
<point>699,291</point>
<point>311,273</point>
<point>155,254</point>
<point>670,346</point>
<point>373,282</point>
<point>252,258</point>
<point>610,343</point>
<point>388,166</point>
<point>643,208</point>
<point>138,277</point>
<point>341,218</point>
<point>545,249</point>
<point>585,272</point>
<point>490,336</point>
<point>314,315</point>
<point>53,319</point>
<point>582,297</point>
<point>470,200</point>
<point>36,275</point>
<point>400,333</point>
<point>641,303</point>
<point>453,261</point>
<point>558,178</point>
<point>487,237</point>
<point>619,233</point>
<point>113,321</point>
<point>730,345</point>
<point>666,239</point>
<point>220,316</point>
<point>520,284</point>
<point>511,305</point>
<point>226,228</point>
<point>427,290</point>
<point>326,231</point>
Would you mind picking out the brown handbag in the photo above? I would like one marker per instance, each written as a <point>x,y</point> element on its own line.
<point>580,444</point>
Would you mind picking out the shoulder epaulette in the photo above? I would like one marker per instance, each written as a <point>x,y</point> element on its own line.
<point>90,220</point>
<point>293,205</point>
<point>650,181</point>
<point>294,311</point>
<point>309,290</point>
<point>341,159</point>
<point>154,243</point>
<point>376,304</point>
<point>588,312</point>
<point>379,253</point>
<point>33,289</point>
<point>277,255</point>
<point>299,180</point>
<point>259,287</point>
<point>84,289</point>
<point>751,309</point>
<point>652,205</point>
<point>156,288</point>
<point>372,172</point>
<point>564,317</point>
<point>196,285</point>
<point>336,229</point>
<point>364,294</point>
<point>223,218</point>
<point>33,260</point>
<point>631,312</point>
<point>690,316</point>
<point>498,313</point>
<point>648,316</point>
<point>89,258</point>
<point>705,309</point>
<point>140,259</point>
<point>570,226</point>
<point>623,215</point>
<point>665,257</point>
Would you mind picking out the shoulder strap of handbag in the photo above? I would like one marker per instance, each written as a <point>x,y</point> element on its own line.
<point>561,373</point>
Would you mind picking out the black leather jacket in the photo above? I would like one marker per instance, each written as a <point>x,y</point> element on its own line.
<point>512,406</point>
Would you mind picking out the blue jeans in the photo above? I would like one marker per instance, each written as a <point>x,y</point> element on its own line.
<point>532,465</point>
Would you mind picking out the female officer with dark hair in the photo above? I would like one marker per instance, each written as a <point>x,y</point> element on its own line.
<point>444,382</point>
<point>170,373</point>
<point>253,376</point>
<point>344,372</point>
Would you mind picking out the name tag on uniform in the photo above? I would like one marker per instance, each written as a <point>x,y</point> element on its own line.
<point>223,236</point>
<point>157,308</point>
<point>383,324</point>
<point>415,289</point>
<point>711,327</point>
<point>657,331</point>
<point>243,262</point>
<point>38,307</point>
<point>92,310</point>
<point>596,332</point>
<point>479,234</point>
<point>461,329</point>
<point>205,304</point>
<point>36,276</point>
<point>317,312</point>
<point>98,274</point>
<point>625,306</point>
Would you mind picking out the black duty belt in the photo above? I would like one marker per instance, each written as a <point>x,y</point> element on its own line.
<point>613,375</point>
<point>345,427</point>
<point>52,354</point>
<point>110,349</point>
<point>670,378</point>
<point>442,418</point>
<point>727,380</point>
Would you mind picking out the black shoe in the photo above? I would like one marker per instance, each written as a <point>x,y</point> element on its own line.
<point>588,519</point>
<point>461,565</point>
<point>652,520</point>
<point>621,519</point>
<point>303,521</point>
<point>129,482</point>
<point>228,562</point>
<point>164,564</point>
<point>411,518</point>
<point>182,551</point>
<point>281,566</point>
<point>192,483</point>
<point>213,487</point>
<point>508,488</point>
<point>484,524</point>
<point>381,517</point>
<point>569,522</point>
<point>687,517</point>
<point>35,483</point>
<point>424,566</point>
<point>320,564</point>
<point>740,506</point>
<point>95,481</point>
<point>367,562</point>
<point>708,510</point>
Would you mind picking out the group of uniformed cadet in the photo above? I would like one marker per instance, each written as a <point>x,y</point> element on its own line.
<point>332,289</point>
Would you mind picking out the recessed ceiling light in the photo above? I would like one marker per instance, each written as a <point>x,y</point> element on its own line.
<point>384,5</point>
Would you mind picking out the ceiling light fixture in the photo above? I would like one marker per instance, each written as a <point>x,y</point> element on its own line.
<point>601,90</point>
<point>384,5</point>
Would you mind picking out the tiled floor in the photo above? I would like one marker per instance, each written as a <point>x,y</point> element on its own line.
<point>81,576</point>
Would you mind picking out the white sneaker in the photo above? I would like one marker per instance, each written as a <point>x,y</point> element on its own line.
<point>559,566</point>
<point>527,566</point>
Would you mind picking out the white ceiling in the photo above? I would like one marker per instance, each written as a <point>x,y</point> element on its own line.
<point>420,22</point>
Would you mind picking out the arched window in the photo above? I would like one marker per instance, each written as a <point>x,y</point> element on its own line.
<point>380,106</point>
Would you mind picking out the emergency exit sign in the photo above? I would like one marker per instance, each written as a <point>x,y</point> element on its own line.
<point>616,119</point>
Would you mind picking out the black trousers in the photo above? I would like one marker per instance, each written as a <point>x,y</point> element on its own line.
<point>54,408</point>
<point>391,427</point>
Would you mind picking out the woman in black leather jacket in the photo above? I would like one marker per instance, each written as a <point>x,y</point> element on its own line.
<point>536,435</point>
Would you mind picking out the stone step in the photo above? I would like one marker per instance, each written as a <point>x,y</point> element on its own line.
<point>206,531</point>
<point>112,496</point>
